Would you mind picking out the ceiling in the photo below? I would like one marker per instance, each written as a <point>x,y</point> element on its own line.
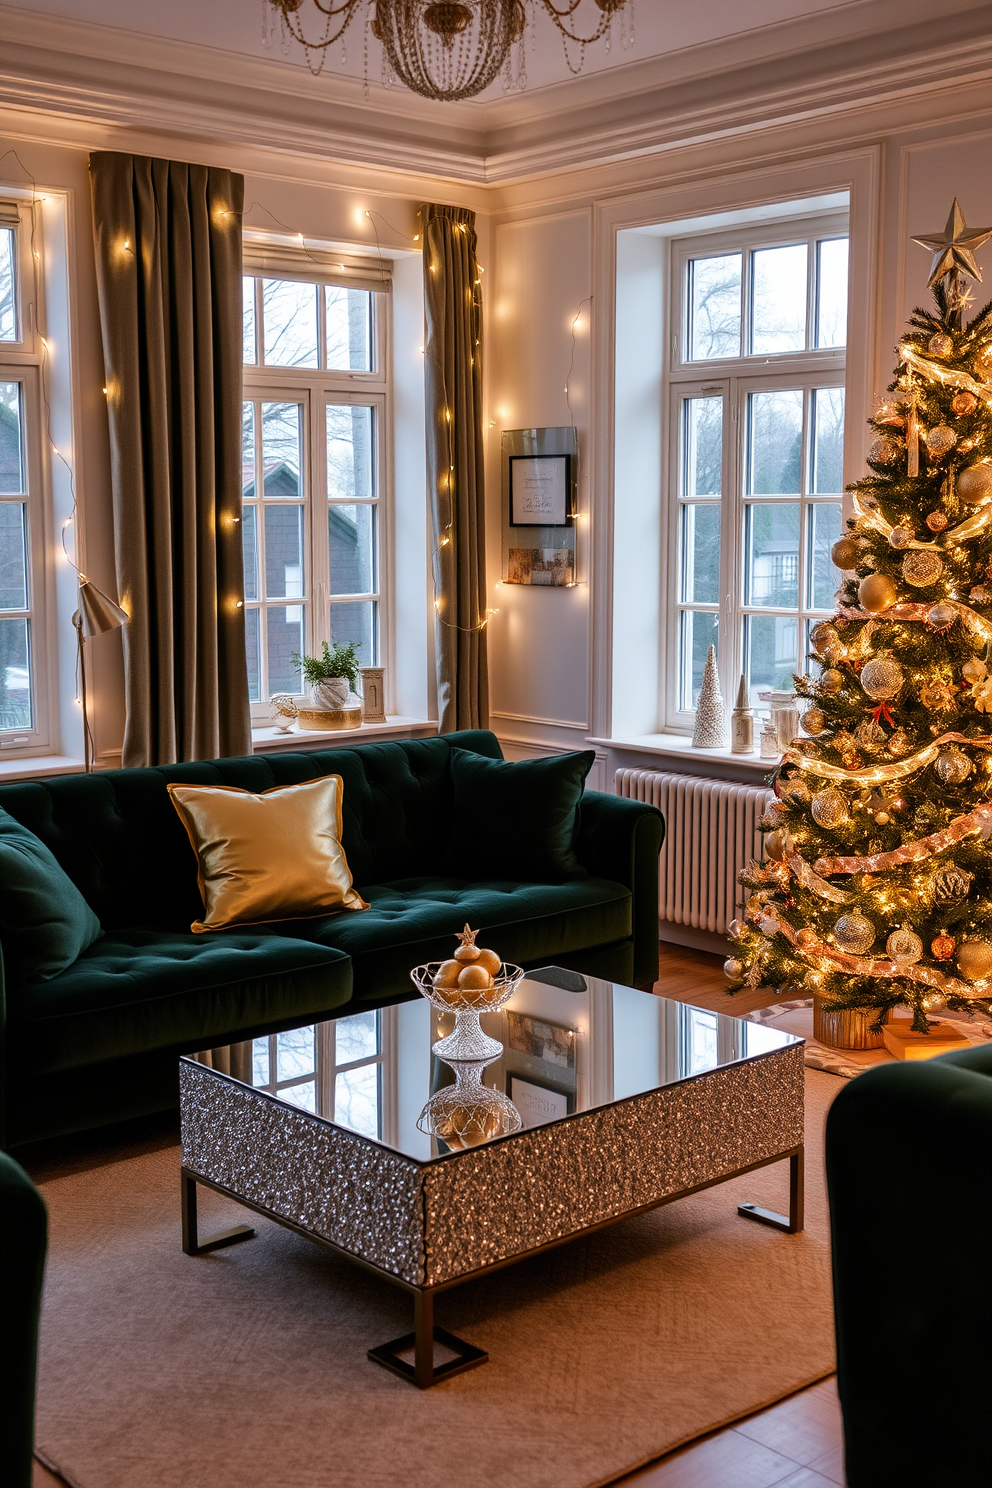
<point>198,68</point>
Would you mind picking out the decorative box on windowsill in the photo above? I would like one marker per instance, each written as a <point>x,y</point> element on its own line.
<point>328,719</point>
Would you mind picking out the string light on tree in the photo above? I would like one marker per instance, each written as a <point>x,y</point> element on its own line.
<point>885,807</point>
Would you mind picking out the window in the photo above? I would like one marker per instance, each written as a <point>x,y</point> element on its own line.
<point>334,1069</point>
<point>313,528</point>
<point>24,676</point>
<point>756,446</point>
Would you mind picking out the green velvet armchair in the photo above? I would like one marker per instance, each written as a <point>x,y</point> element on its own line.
<point>909,1168</point>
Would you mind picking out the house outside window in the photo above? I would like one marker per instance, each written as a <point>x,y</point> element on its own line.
<point>315,490</point>
<point>756,432</point>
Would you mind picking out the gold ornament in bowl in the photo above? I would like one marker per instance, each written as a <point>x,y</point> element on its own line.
<point>828,808</point>
<point>854,933</point>
<point>952,766</point>
<point>877,592</point>
<point>473,979</point>
<point>974,484</point>
<point>922,568</point>
<point>904,947</point>
<point>974,960</point>
<point>882,677</point>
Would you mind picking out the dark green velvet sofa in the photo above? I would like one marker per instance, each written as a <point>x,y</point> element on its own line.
<point>909,1168</point>
<point>100,1041</point>
<point>23,1243</point>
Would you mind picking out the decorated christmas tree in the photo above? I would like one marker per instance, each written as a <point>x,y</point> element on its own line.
<point>876,887</point>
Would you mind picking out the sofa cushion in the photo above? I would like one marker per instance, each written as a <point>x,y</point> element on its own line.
<point>45,922</point>
<point>415,920</point>
<point>137,990</point>
<point>516,820</point>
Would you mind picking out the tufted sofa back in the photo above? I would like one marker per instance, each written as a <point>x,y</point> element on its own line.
<point>117,835</point>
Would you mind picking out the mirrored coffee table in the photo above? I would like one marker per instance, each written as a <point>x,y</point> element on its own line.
<point>628,1101</point>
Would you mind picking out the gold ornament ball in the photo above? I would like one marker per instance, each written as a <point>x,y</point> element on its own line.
<point>828,808</point>
<point>962,404</point>
<point>936,521</point>
<point>474,978</point>
<point>831,680</point>
<point>952,766</point>
<point>940,442</point>
<point>900,743</point>
<point>974,960</point>
<point>846,552</point>
<point>777,844</point>
<point>922,568</point>
<point>941,616</point>
<point>823,638</point>
<point>877,593</point>
<point>733,969</point>
<point>974,484</point>
<point>813,721</point>
<point>940,344</point>
<point>447,974</point>
<point>900,536</point>
<point>882,677</point>
<point>942,947</point>
<point>951,885</point>
<point>904,947</point>
<point>870,735</point>
<point>854,933</point>
<point>806,938</point>
<point>882,451</point>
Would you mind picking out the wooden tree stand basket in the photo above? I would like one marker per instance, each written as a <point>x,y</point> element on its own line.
<point>324,719</point>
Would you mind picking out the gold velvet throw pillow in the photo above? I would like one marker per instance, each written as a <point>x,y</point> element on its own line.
<point>273,856</point>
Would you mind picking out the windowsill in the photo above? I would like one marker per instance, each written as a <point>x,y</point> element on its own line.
<point>266,740</point>
<point>39,766</point>
<point>680,746</point>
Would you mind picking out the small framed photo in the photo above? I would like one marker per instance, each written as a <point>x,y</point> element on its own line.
<point>540,490</point>
<point>539,1103</point>
<point>552,1043</point>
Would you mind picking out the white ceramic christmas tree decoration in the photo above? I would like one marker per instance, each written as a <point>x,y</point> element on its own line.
<point>711,720</point>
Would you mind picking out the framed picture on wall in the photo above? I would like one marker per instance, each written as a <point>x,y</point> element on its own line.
<point>537,1102</point>
<point>551,1043</point>
<point>540,490</point>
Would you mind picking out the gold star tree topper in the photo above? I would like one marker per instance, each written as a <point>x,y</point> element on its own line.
<point>954,248</point>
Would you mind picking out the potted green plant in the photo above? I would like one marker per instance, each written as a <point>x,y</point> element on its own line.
<point>332,675</point>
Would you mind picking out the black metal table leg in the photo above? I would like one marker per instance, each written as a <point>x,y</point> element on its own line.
<point>192,1246</point>
<point>792,1223</point>
<point>421,1369</point>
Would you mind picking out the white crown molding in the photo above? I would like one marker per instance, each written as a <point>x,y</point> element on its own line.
<point>851,55</point>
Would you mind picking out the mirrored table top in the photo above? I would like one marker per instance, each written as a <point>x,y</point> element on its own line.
<point>571,1043</point>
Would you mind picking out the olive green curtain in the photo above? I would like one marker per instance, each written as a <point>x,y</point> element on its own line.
<point>455,474</point>
<point>168,256</point>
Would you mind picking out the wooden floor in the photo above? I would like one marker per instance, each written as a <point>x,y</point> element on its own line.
<point>797,1443</point>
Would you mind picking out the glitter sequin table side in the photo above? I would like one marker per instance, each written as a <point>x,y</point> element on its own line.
<point>555,1181</point>
<point>339,1187</point>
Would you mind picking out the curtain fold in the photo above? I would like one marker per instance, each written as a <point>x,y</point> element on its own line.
<point>168,256</point>
<point>455,463</point>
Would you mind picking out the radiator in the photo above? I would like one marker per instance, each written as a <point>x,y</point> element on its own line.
<point>711,832</point>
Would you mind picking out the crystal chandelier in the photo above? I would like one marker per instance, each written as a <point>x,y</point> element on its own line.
<point>449,49</point>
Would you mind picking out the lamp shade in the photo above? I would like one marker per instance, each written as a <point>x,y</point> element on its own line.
<point>97,612</point>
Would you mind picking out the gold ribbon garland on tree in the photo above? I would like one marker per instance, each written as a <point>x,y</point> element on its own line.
<point>976,523</point>
<point>974,824</point>
<point>876,774</point>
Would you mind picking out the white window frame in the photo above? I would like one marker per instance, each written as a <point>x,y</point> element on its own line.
<point>22,361</point>
<point>326,1068</point>
<point>733,379</point>
<point>315,389</point>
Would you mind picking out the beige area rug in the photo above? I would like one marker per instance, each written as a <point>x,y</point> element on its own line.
<point>797,1017</point>
<point>247,1368</point>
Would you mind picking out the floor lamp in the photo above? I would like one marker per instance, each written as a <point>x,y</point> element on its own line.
<point>97,614</point>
